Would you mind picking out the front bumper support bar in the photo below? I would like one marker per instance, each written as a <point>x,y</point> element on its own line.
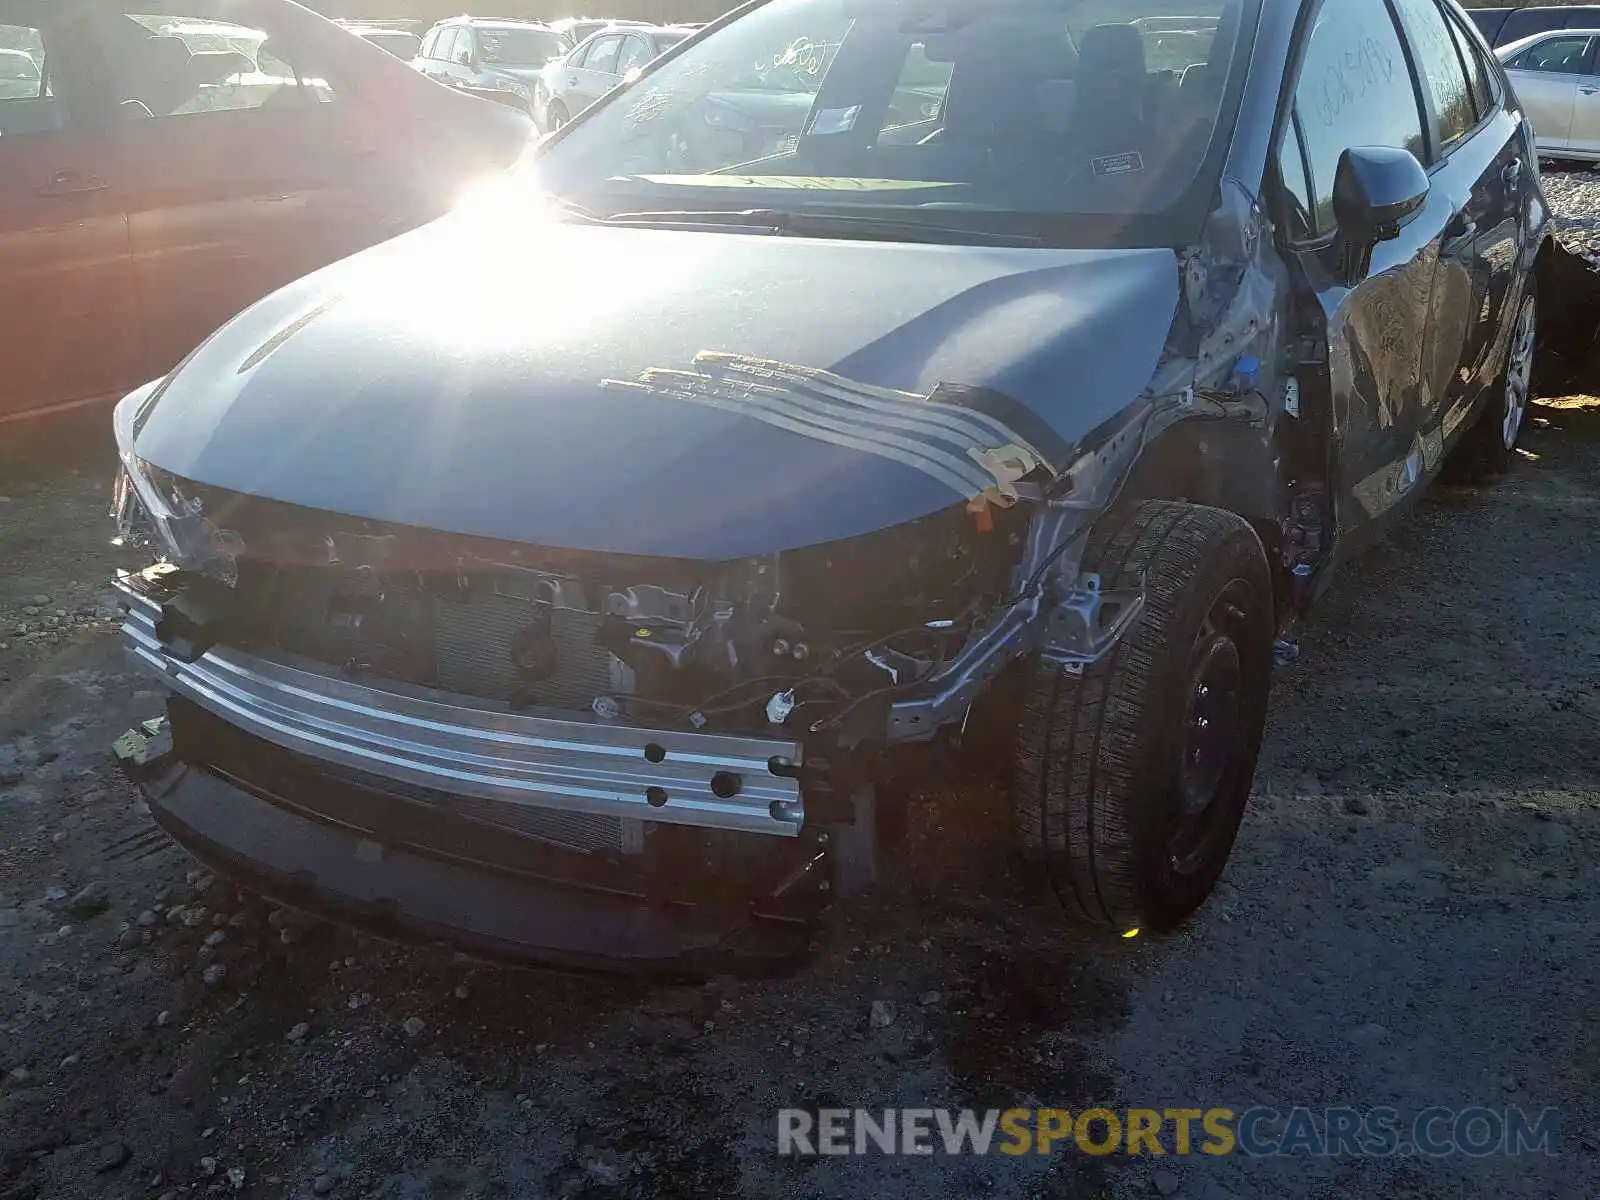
<point>438,740</point>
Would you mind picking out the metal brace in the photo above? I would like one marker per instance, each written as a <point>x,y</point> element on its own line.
<point>1081,629</point>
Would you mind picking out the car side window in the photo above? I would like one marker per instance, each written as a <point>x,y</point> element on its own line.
<point>167,65</point>
<point>442,51</point>
<point>464,51</point>
<point>428,43</point>
<point>27,105</point>
<point>1299,222</point>
<point>603,55</point>
<point>1354,89</point>
<point>1439,63</point>
<point>1479,78</point>
<point>1560,55</point>
<point>577,56</point>
<point>635,53</point>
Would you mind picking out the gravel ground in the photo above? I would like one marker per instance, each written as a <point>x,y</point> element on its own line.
<point>1410,920</point>
<point>1574,195</point>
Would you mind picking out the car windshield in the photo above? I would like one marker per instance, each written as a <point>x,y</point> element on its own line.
<point>955,112</point>
<point>518,47</point>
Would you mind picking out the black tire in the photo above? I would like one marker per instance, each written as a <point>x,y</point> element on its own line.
<point>1102,796</point>
<point>1487,450</point>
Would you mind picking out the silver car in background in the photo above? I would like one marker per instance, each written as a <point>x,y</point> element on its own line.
<point>498,60</point>
<point>569,85</point>
<point>1558,81</point>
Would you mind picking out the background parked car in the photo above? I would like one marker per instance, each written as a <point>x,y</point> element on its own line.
<point>577,29</point>
<point>1502,26</point>
<point>1558,81</point>
<point>569,85</point>
<point>149,191</point>
<point>489,56</point>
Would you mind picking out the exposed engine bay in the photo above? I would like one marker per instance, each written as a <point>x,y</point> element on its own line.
<point>793,640</point>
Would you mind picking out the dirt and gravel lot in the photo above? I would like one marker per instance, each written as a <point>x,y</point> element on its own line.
<point>1411,919</point>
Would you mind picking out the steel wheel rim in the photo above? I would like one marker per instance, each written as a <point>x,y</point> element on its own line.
<point>1519,375</point>
<point>1212,715</point>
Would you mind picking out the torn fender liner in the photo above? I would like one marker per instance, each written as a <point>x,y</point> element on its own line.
<point>962,446</point>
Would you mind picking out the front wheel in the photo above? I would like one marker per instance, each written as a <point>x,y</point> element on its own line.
<point>1131,778</point>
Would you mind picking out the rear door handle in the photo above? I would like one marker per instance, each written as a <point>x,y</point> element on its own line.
<point>72,183</point>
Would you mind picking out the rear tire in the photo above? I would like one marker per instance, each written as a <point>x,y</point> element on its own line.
<point>1132,778</point>
<point>1487,450</point>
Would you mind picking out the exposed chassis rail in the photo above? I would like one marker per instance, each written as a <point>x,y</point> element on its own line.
<point>432,739</point>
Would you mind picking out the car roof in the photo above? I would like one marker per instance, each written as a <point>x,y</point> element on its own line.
<point>496,23</point>
<point>1511,49</point>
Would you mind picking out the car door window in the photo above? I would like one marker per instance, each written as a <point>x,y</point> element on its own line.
<point>575,59</point>
<point>1439,63</point>
<point>27,105</point>
<point>430,39</point>
<point>164,65</point>
<point>1299,222</point>
<point>1355,89</point>
<point>603,55</point>
<point>1559,55</point>
<point>918,96</point>
<point>1479,78</point>
<point>635,53</point>
<point>444,51</point>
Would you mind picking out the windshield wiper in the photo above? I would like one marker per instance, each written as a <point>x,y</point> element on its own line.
<point>824,225</point>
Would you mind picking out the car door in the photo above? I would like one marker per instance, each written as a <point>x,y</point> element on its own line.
<point>69,329</point>
<point>428,57</point>
<point>441,66</point>
<point>464,59</point>
<point>598,74</point>
<point>1546,76</point>
<point>633,56</point>
<point>1475,163</point>
<point>1585,135</point>
<point>238,175</point>
<point>1373,316</point>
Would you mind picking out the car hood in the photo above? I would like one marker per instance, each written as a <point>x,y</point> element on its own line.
<point>698,395</point>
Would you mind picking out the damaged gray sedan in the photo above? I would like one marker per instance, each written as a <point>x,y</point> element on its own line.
<point>590,621</point>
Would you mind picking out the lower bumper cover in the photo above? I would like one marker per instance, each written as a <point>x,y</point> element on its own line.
<point>343,875</point>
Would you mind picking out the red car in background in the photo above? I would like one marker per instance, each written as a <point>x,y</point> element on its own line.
<point>172,161</point>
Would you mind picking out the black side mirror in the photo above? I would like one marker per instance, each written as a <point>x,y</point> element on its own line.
<point>1377,190</point>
